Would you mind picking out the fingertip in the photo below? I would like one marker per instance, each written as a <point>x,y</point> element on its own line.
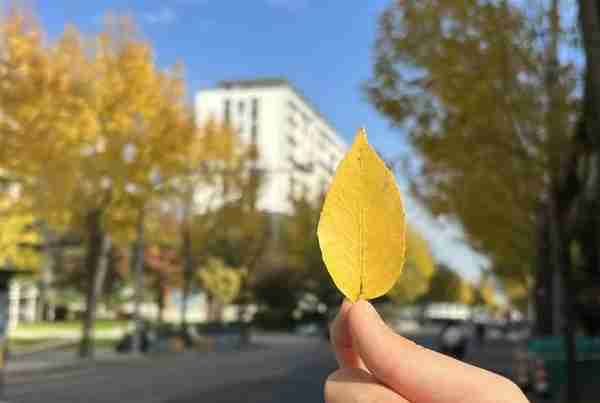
<point>374,339</point>
<point>363,317</point>
<point>364,306</point>
<point>346,306</point>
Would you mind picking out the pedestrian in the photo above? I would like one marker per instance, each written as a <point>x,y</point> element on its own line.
<point>480,333</point>
<point>378,365</point>
<point>454,340</point>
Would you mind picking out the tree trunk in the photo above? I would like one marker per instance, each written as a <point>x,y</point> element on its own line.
<point>94,250</point>
<point>559,202</point>
<point>214,309</point>
<point>50,248</point>
<point>210,308</point>
<point>160,302</point>
<point>138,281</point>
<point>103,264</point>
<point>543,288</point>
<point>188,271</point>
<point>562,263</point>
<point>217,310</point>
<point>46,274</point>
<point>589,21</point>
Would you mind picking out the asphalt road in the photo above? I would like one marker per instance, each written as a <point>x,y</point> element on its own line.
<point>281,368</point>
<point>278,368</point>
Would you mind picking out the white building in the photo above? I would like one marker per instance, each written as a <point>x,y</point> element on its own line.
<point>22,302</point>
<point>298,149</point>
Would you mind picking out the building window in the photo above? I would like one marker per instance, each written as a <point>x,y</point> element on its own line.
<point>227,112</point>
<point>292,185</point>
<point>241,108</point>
<point>254,133</point>
<point>292,121</point>
<point>254,109</point>
<point>324,136</point>
<point>306,119</point>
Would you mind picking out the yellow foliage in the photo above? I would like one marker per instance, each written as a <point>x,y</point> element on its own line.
<point>362,230</point>
<point>17,239</point>
<point>418,270</point>
<point>88,124</point>
<point>466,293</point>
<point>222,282</point>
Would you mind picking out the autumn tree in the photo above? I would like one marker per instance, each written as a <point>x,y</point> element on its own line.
<point>96,123</point>
<point>303,253</point>
<point>18,238</point>
<point>161,269</point>
<point>222,284</point>
<point>466,80</point>
<point>417,272</point>
<point>448,286</point>
<point>485,292</point>
<point>162,258</point>
<point>209,190</point>
<point>38,101</point>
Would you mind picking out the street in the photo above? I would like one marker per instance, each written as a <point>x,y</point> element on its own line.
<point>276,368</point>
<point>279,368</point>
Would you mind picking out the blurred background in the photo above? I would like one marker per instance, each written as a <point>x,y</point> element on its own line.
<point>163,165</point>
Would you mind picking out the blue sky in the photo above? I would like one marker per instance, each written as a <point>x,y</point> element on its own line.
<point>323,47</point>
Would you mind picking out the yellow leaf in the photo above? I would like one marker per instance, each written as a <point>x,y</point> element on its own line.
<point>362,228</point>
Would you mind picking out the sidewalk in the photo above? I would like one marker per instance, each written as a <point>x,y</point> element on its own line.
<point>63,359</point>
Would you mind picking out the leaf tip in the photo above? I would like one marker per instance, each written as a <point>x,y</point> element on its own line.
<point>361,136</point>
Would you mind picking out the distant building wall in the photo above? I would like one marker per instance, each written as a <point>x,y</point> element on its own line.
<point>22,297</point>
<point>298,149</point>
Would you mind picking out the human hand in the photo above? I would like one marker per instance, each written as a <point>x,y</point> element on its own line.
<point>378,365</point>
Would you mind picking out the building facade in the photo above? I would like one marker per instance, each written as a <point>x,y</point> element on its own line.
<point>22,302</point>
<point>298,149</point>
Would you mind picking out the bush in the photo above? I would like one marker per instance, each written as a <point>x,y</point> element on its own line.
<point>274,319</point>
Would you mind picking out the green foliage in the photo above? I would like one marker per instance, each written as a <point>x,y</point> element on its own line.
<point>303,254</point>
<point>448,286</point>
<point>466,80</point>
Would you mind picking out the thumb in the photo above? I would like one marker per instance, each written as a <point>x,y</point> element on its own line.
<point>418,374</point>
<point>375,342</point>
